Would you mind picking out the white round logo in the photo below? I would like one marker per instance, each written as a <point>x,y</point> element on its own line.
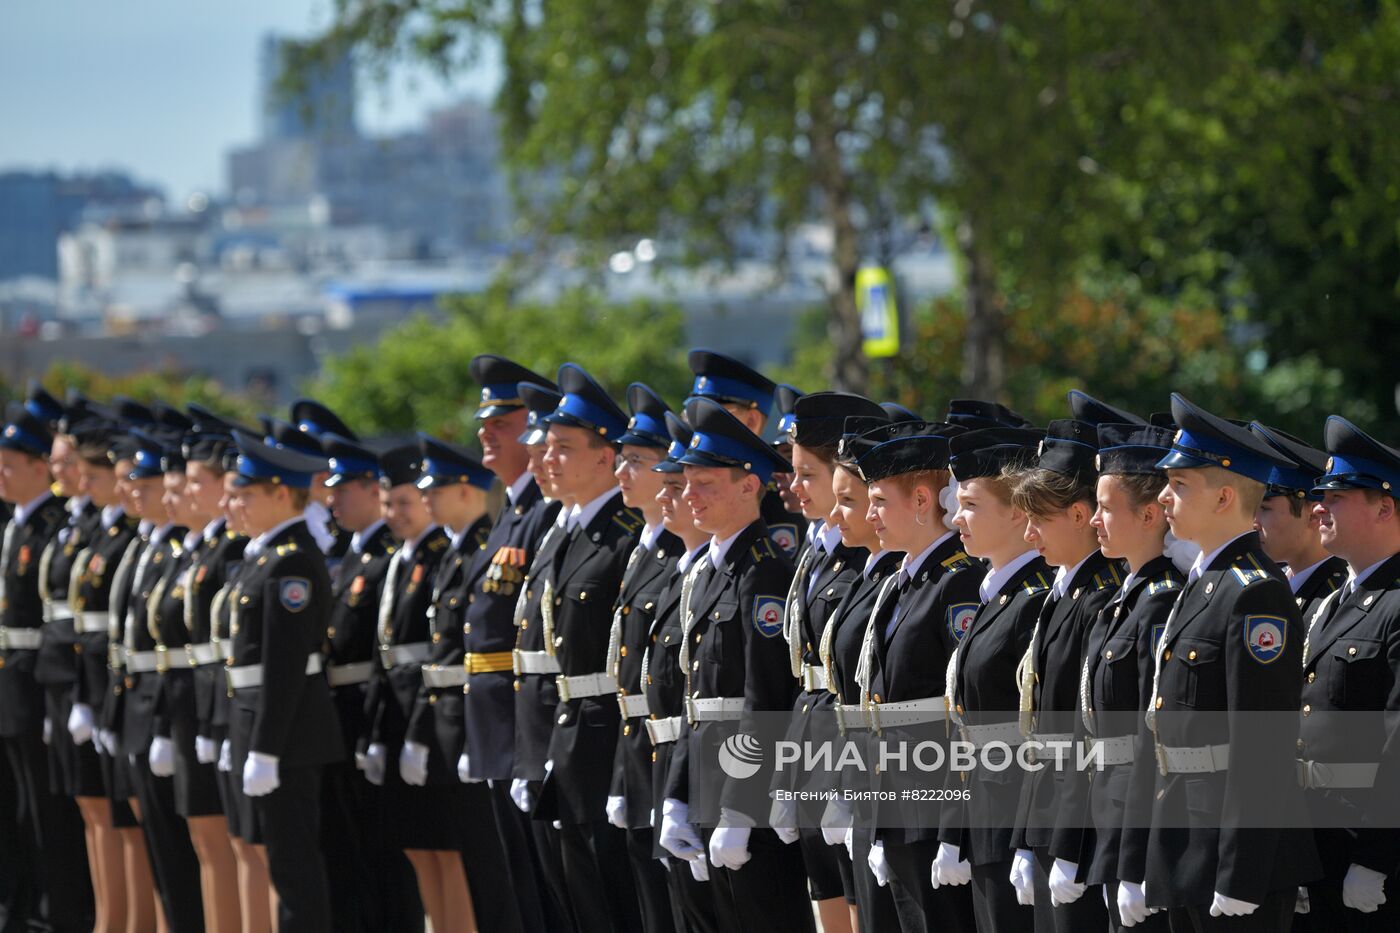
<point>740,756</point>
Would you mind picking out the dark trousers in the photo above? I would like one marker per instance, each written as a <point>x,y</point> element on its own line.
<point>947,910</point>
<point>1327,912</point>
<point>649,877</point>
<point>1275,915</point>
<point>541,911</point>
<point>693,901</point>
<point>484,861</point>
<point>1087,913</point>
<point>1155,923</point>
<point>174,865</point>
<point>994,900</point>
<point>290,818</point>
<point>768,893</point>
<point>891,907</point>
<point>44,866</point>
<point>372,884</point>
<point>598,878</point>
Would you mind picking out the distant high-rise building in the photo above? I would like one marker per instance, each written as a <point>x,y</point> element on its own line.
<point>37,207</point>
<point>324,107</point>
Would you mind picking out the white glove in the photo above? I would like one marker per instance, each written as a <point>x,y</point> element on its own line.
<point>360,759</point>
<point>1132,906</point>
<point>699,869</point>
<point>206,750</point>
<point>464,770</point>
<point>783,819</point>
<point>161,757</point>
<point>1063,888</point>
<point>1302,905</point>
<point>413,764</point>
<point>109,742</point>
<point>1021,875</point>
<point>1363,889</point>
<point>836,819</point>
<point>729,847</point>
<point>677,835</point>
<point>226,756</point>
<point>850,842</point>
<point>520,793</point>
<point>878,866</point>
<point>616,810</point>
<point>949,867</point>
<point>80,723</point>
<point>375,764</point>
<point>260,774</point>
<point>48,731</point>
<point>1222,906</point>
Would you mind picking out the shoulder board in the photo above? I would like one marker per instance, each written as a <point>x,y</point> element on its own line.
<point>959,561</point>
<point>1165,583</point>
<point>437,544</point>
<point>1247,571</point>
<point>481,535</point>
<point>1036,584</point>
<point>762,550</point>
<point>628,520</point>
<point>1109,578</point>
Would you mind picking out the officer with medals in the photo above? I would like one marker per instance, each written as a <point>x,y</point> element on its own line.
<point>650,569</point>
<point>748,395</point>
<point>736,664</point>
<point>282,728</point>
<point>1288,527</point>
<point>1232,646</point>
<point>1349,747</point>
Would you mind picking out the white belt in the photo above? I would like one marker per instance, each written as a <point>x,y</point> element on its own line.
<point>1116,751</point>
<point>1313,775</point>
<point>714,709</point>
<point>143,662</point>
<point>203,653</point>
<point>1201,759</point>
<point>908,712</point>
<point>25,639</point>
<point>585,685</point>
<point>55,609</point>
<point>661,731</point>
<point>90,623</point>
<point>391,656</point>
<point>434,676</point>
<point>535,662</point>
<point>1008,733</point>
<point>1047,750</point>
<point>813,678</point>
<point>339,675</point>
<point>634,706</point>
<point>851,716</point>
<point>251,675</point>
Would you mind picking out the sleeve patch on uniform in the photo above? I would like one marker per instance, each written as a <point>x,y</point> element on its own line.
<point>1158,630</point>
<point>295,593</point>
<point>1264,637</point>
<point>960,617</point>
<point>784,537</point>
<point>768,615</point>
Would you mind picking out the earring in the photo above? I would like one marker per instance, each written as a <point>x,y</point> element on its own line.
<point>921,522</point>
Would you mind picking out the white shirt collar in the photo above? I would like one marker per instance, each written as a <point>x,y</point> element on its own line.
<point>1360,578</point>
<point>996,579</point>
<point>192,540</point>
<point>145,527</point>
<point>649,535</point>
<point>1128,581</point>
<point>213,529</point>
<point>827,537</point>
<point>406,553</point>
<point>1064,576</point>
<point>23,512</point>
<point>76,505</point>
<point>459,536</point>
<point>872,560</point>
<point>259,544</point>
<point>111,514</point>
<point>1296,580</point>
<point>910,565</point>
<point>583,515</point>
<point>718,548</point>
<point>161,533</point>
<point>561,518</point>
<point>689,558</point>
<point>358,539</point>
<point>517,489</point>
<point>1203,561</point>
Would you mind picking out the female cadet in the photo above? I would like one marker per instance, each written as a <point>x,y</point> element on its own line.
<point>1057,496</point>
<point>826,570</point>
<point>981,691</point>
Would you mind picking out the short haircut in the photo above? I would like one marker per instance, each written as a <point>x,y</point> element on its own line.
<point>1250,492</point>
<point>1141,488</point>
<point>299,497</point>
<point>1039,491</point>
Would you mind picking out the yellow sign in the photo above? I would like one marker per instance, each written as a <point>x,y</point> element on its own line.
<point>879,314</point>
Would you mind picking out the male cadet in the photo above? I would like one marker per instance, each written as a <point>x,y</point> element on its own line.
<point>576,609</point>
<point>1349,749</point>
<point>649,569</point>
<point>736,664</point>
<point>748,395</point>
<point>282,727</point>
<point>372,883</point>
<point>1288,528</point>
<point>1228,657</point>
<point>45,848</point>
<point>489,626</point>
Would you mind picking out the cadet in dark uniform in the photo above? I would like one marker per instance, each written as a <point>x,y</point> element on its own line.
<point>414,814</point>
<point>1059,499</point>
<point>785,400</point>
<point>489,626</point>
<point>330,538</point>
<point>46,861</point>
<point>1348,750</point>
<point>915,624</point>
<point>454,485</point>
<point>826,568</point>
<point>736,663</point>
<point>1233,644</point>
<point>649,569</point>
<point>318,421</point>
<point>282,725</point>
<point>691,896</point>
<point>1288,529</point>
<point>748,395</point>
<point>981,681</point>
<point>372,883</point>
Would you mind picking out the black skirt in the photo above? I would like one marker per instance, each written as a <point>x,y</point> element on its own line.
<point>196,784</point>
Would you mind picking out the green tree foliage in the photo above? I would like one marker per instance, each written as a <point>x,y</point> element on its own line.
<point>173,388</point>
<point>415,377</point>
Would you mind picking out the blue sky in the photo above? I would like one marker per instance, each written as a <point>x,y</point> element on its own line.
<point>161,88</point>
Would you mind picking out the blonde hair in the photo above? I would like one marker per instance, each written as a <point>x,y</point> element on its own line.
<point>1249,492</point>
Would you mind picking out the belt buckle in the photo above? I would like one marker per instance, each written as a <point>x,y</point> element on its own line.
<point>386,657</point>
<point>4,638</point>
<point>228,680</point>
<point>692,713</point>
<point>162,659</point>
<point>622,705</point>
<point>562,683</point>
<point>114,656</point>
<point>190,658</point>
<point>517,661</point>
<point>1161,758</point>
